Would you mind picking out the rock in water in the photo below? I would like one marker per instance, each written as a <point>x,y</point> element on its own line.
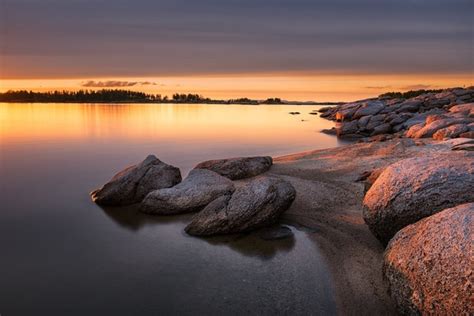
<point>196,191</point>
<point>414,188</point>
<point>429,265</point>
<point>254,204</point>
<point>132,184</point>
<point>275,233</point>
<point>238,168</point>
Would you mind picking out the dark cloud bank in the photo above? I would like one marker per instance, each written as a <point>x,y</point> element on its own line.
<point>51,38</point>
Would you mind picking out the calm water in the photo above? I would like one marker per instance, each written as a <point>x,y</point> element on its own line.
<point>62,254</point>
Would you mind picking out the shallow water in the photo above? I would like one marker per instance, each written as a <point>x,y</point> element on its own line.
<point>62,254</point>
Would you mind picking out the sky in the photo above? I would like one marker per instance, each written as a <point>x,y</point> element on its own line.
<point>297,49</point>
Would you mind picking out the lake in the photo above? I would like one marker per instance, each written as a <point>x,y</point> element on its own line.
<point>62,255</point>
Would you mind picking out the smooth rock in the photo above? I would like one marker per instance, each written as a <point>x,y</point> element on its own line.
<point>452,131</point>
<point>429,129</point>
<point>414,188</point>
<point>238,168</point>
<point>382,129</point>
<point>200,188</point>
<point>132,184</point>
<point>255,203</point>
<point>429,264</point>
<point>369,108</point>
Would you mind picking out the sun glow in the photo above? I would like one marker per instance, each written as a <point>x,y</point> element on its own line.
<point>300,87</point>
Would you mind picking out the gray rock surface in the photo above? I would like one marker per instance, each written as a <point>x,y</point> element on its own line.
<point>196,191</point>
<point>412,189</point>
<point>238,168</point>
<point>132,184</point>
<point>429,264</point>
<point>255,203</point>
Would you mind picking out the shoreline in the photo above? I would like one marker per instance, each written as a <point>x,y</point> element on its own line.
<point>329,204</point>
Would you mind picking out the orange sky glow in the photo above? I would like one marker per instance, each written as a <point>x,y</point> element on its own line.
<point>299,87</point>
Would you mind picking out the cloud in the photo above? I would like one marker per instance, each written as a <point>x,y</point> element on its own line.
<point>417,87</point>
<point>378,87</point>
<point>115,83</point>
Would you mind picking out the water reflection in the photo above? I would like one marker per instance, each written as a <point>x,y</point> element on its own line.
<point>248,244</point>
<point>63,255</point>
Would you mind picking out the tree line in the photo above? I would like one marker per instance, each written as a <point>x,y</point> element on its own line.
<point>116,96</point>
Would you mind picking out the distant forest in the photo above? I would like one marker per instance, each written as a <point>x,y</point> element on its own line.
<point>117,96</point>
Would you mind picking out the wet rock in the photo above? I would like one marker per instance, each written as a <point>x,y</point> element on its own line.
<point>452,131</point>
<point>329,131</point>
<point>275,233</point>
<point>200,188</point>
<point>132,184</point>
<point>256,203</point>
<point>429,264</point>
<point>414,188</point>
<point>238,168</point>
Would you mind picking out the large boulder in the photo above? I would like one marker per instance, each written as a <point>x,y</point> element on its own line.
<point>414,188</point>
<point>254,204</point>
<point>238,168</point>
<point>429,264</point>
<point>196,191</point>
<point>132,184</point>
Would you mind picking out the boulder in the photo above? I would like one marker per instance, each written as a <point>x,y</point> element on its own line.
<point>255,203</point>
<point>414,129</point>
<point>452,131</point>
<point>429,129</point>
<point>429,264</point>
<point>466,109</point>
<point>382,129</point>
<point>363,121</point>
<point>414,188</point>
<point>132,184</point>
<point>410,106</point>
<point>347,128</point>
<point>369,108</point>
<point>238,168</point>
<point>195,192</point>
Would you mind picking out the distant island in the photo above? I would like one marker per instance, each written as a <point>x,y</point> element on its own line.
<point>128,96</point>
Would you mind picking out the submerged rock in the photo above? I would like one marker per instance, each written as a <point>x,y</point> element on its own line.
<point>414,188</point>
<point>132,184</point>
<point>429,264</point>
<point>255,203</point>
<point>195,192</point>
<point>275,233</point>
<point>238,168</point>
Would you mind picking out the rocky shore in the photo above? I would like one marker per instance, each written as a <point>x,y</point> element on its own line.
<point>448,114</point>
<point>392,214</point>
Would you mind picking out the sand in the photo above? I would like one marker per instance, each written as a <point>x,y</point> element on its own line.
<point>329,206</point>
